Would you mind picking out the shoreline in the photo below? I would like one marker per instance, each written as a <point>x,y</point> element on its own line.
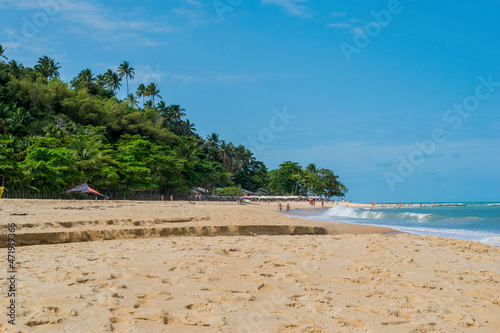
<point>60,221</point>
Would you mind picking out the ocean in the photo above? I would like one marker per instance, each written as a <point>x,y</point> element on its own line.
<point>477,221</point>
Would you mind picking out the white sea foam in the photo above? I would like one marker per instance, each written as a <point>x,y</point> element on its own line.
<point>484,237</point>
<point>341,211</point>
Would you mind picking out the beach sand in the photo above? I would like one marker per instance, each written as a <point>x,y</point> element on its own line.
<point>236,269</point>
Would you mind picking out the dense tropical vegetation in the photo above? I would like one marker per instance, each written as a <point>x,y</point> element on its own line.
<point>55,135</point>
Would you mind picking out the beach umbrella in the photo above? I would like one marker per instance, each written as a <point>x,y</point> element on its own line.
<point>84,188</point>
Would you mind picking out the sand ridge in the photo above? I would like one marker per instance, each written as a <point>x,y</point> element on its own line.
<point>60,221</point>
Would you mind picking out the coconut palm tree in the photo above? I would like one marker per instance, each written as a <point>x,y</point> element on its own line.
<point>132,101</point>
<point>101,80</point>
<point>162,108</point>
<point>2,51</point>
<point>153,90</point>
<point>47,67</point>
<point>213,140</point>
<point>125,70</point>
<point>186,150</point>
<point>113,81</point>
<point>15,68</point>
<point>175,113</point>
<point>86,75</point>
<point>188,127</point>
<point>141,92</point>
<point>149,105</point>
<point>226,153</point>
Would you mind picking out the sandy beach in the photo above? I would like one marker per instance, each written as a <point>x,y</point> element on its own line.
<point>118,266</point>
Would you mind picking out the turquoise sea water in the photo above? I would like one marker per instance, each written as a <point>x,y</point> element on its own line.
<point>477,221</point>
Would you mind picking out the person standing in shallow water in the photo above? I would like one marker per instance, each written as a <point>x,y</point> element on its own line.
<point>287,208</point>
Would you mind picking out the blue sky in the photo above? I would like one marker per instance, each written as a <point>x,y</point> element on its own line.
<point>359,82</point>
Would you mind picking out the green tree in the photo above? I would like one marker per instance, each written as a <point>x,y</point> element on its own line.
<point>141,92</point>
<point>153,90</point>
<point>50,164</point>
<point>113,81</point>
<point>47,67</point>
<point>281,181</point>
<point>125,70</point>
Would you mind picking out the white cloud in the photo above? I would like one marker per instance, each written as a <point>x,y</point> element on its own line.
<point>340,25</point>
<point>103,23</point>
<point>293,7</point>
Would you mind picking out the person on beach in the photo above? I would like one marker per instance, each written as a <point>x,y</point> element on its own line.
<point>287,208</point>
<point>280,207</point>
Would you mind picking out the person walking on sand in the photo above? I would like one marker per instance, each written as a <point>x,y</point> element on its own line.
<point>280,207</point>
<point>287,208</point>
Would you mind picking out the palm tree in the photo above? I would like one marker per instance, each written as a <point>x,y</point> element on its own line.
<point>175,113</point>
<point>186,150</point>
<point>101,80</point>
<point>20,118</point>
<point>312,168</point>
<point>162,108</point>
<point>153,90</point>
<point>125,70</point>
<point>2,51</point>
<point>113,81</point>
<point>15,68</point>
<point>226,153</point>
<point>132,101</point>
<point>141,92</point>
<point>188,127</point>
<point>47,67</point>
<point>213,140</point>
<point>86,76</point>
<point>149,105</point>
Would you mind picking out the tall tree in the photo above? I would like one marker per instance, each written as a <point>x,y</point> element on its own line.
<point>132,101</point>
<point>101,80</point>
<point>153,90</point>
<point>141,92</point>
<point>113,81</point>
<point>15,68</point>
<point>125,70</point>
<point>47,67</point>
<point>213,140</point>
<point>175,113</point>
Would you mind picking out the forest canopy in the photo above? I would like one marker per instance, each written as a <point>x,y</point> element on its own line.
<point>55,135</point>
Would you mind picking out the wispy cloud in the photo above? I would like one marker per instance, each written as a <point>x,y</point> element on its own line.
<point>353,24</point>
<point>102,23</point>
<point>293,7</point>
<point>340,25</point>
